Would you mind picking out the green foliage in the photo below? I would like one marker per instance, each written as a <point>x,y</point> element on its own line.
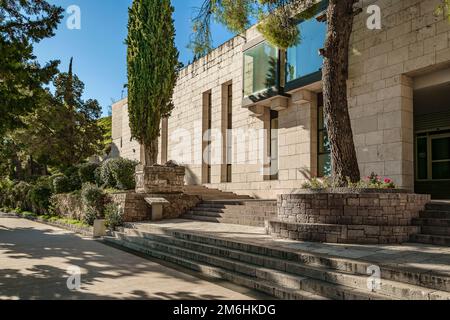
<point>40,195</point>
<point>443,9</point>
<point>123,173</point>
<point>113,216</point>
<point>94,199</point>
<point>19,195</point>
<point>105,125</point>
<point>371,182</point>
<point>280,31</point>
<point>86,171</point>
<point>61,184</point>
<point>152,69</point>
<point>23,23</point>
<point>63,131</point>
<point>90,215</point>
<point>118,174</point>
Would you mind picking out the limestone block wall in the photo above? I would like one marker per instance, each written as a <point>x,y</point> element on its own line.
<point>123,145</point>
<point>383,64</point>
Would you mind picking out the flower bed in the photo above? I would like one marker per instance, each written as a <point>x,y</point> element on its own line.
<point>348,215</point>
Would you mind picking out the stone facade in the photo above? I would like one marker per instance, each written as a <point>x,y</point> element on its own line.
<point>376,217</point>
<point>385,67</point>
<point>135,209</point>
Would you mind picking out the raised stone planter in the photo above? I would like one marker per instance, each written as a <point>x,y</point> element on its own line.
<point>136,209</point>
<point>160,179</point>
<point>348,216</point>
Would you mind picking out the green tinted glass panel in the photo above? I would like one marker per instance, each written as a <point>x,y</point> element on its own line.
<point>324,144</point>
<point>324,165</point>
<point>422,158</point>
<point>441,149</point>
<point>321,118</point>
<point>441,170</point>
<point>260,68</point>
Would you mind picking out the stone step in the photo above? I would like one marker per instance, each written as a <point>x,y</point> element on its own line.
<point>435,214</point>
<point>280,279</point>
<point>432,222</point>
<point>434,230</point>
<point>245,221</point>
<point>413,276</point>
<point>220,273</point>
<point>438,205</point>
<point>231,213</point>
<point>392,289</point>
<point>431,239</point>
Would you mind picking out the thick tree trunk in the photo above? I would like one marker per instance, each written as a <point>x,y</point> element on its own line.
<point>149,153</point>
<point>335,73</point>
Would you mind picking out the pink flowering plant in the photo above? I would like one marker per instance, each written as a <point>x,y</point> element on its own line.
<point>373,181</point>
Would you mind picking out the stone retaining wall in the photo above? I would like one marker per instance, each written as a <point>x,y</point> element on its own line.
<point>135,208</point>
<point>347,217</point>
<point>68,205</point>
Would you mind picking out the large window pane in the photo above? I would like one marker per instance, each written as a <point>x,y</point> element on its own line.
<point>324,165</point>
<point>441,149</point>
<point>441,170</point>
<point>260,68</point>
<point>304,59</point>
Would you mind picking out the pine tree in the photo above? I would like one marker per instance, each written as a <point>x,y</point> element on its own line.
<point>152,71</point>
<point>23,23</point>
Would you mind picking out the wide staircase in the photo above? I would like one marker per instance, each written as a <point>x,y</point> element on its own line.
<point>279,271</point>
<point>213,194</point>
<point>242,212</point>
<point>434,223</point>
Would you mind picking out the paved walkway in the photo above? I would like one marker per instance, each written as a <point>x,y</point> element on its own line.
<point>34,259</point>
<point>410,256</point>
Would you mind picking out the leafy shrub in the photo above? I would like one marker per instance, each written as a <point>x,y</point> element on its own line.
<point>90,215</point>
<point>118,173</point>
<point>61,184</point>
<point>6,186</point>
<point>113,216</point>
<point>19,196</point>
<point>98,176</point>
<point>86,171</point>
<point>106,175</point>
<point>74,178</point>
<point>94,200</point>
<point>371,182</point>
<point>40,195</point>
<point>123,173</point>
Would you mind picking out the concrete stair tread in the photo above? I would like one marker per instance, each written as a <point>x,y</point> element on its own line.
<point>216,272</point>
<point>274,277</point>
<point>408,275</point>
<point>313,273</point>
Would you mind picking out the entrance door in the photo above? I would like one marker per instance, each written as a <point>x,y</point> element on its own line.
<point>433,163</point>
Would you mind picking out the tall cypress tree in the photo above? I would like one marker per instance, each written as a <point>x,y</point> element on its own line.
<point>152,71</point>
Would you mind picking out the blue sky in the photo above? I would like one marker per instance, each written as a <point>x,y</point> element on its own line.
<point>98,48</point>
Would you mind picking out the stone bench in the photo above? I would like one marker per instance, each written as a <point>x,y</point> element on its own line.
<point>157,207</point>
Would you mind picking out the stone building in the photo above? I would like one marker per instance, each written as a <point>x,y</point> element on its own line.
<point>399,100</point>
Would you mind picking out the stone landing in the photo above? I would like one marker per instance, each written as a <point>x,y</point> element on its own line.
<point>291,269</point>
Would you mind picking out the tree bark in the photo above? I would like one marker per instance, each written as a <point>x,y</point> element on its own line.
<point>335,74</point>
<point>149,153</point>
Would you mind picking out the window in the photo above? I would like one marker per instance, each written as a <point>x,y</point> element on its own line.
<point>323,154</point>
<point>206,143</point>
<point>304,59</point>
<point>433,156</point>
<point>229,140</point>
<point>272,168</point>
<point>260,69</point>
